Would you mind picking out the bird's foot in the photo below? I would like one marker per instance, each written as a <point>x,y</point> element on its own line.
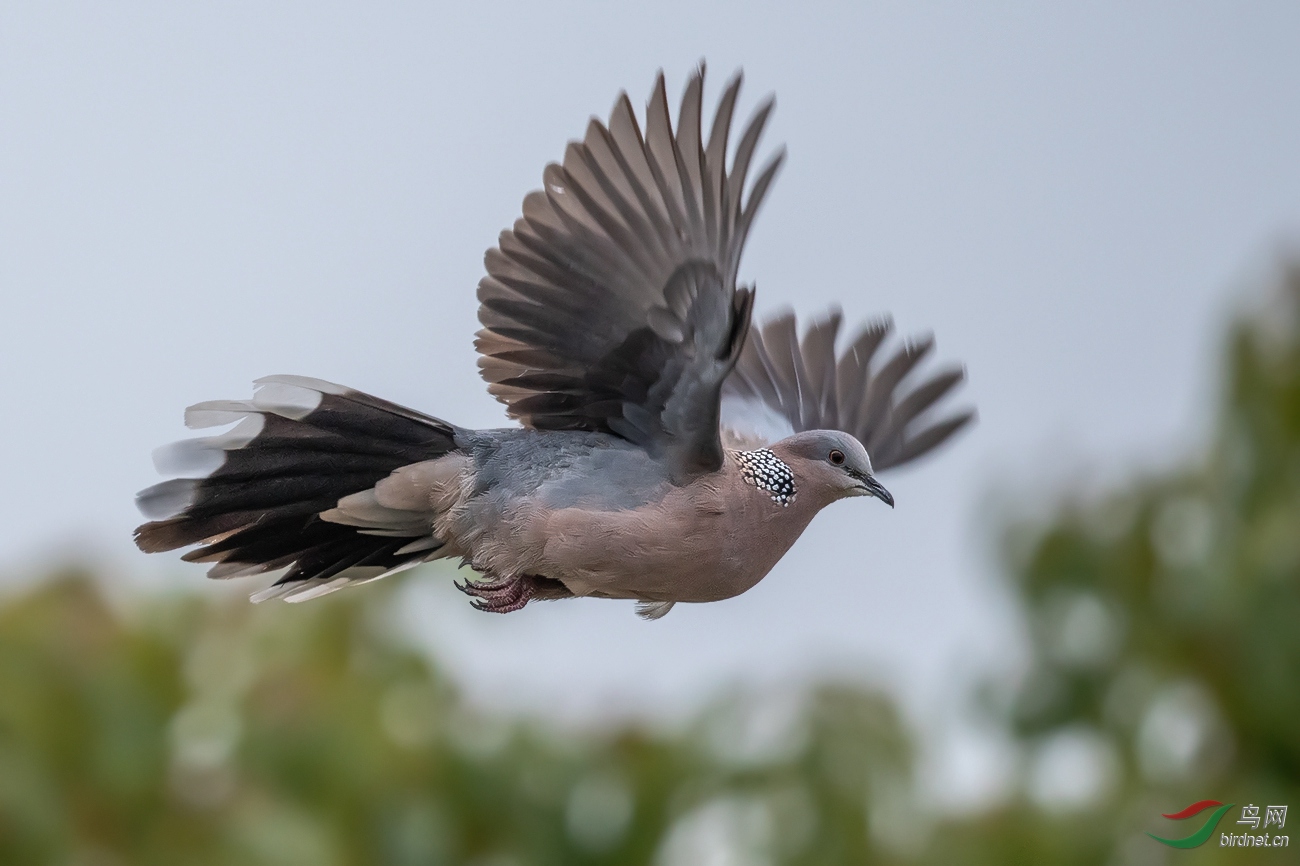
<point>503,595</point>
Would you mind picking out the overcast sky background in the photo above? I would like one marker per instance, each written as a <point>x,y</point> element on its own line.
<point>1072,200</point>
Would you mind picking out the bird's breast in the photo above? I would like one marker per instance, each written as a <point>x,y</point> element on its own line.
<point>706,541</point>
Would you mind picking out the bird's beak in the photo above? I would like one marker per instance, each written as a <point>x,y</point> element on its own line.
<point>876,489</point>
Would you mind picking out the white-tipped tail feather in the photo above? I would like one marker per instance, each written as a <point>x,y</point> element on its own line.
<point>294,485</point>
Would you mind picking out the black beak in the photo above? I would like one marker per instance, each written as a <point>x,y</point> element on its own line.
<point>874,488</point>
<point>878,491</point>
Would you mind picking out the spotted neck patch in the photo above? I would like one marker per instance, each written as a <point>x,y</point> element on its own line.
<point>768,473</point>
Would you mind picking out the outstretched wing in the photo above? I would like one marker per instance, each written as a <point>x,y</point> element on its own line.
<point>783,385</point>
<point>612,304</point>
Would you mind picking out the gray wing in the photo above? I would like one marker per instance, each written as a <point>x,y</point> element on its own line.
<point>612,304</point>
<point>783,385</point>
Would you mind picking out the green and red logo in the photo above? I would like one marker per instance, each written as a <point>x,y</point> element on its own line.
<point>1201,835</point>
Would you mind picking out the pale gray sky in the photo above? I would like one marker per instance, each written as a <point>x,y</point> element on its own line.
<point>1069,198</point>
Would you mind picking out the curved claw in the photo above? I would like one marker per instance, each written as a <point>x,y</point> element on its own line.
<point>503,595</point>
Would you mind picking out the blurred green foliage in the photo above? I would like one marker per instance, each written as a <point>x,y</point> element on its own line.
<point>1165,626</point>
<point>219,732</point>
<point>1164,668</point>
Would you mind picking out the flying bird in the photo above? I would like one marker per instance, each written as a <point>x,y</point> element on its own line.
<point>667,449</point>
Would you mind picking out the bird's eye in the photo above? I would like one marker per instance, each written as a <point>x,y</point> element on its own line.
<point>836,457</point>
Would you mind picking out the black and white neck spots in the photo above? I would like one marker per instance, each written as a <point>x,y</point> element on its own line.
<point>768,473</point>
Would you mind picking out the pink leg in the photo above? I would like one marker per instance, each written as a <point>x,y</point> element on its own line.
<point>503,595</point>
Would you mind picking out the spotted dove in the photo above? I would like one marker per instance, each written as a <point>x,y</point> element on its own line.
<point>666,451</point>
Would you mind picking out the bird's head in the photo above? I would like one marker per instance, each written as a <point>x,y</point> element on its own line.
<point>832,461</point>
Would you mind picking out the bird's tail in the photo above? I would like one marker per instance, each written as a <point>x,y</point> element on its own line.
<point>254,495</point>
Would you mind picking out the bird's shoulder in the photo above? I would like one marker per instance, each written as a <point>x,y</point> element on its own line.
<point>562,468</point>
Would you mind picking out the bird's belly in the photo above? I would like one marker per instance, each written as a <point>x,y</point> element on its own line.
<point>657,554</point>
